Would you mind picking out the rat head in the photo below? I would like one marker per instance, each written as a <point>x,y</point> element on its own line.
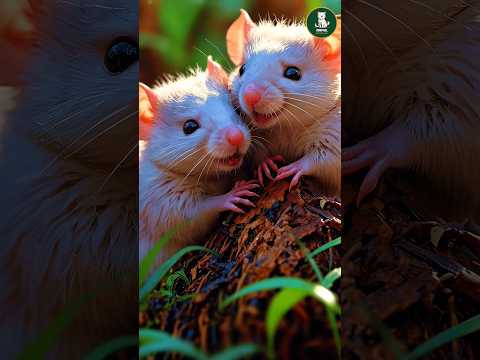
<point>285,74</point>
<point>190,124</point>
<point>79,98</point>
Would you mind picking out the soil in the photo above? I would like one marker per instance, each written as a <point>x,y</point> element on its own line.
<point>405,276</point>
<point>260,244</point>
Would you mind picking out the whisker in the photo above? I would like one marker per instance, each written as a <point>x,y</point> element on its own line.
<point>258,143</point>
<point>299,108</point>
<point>295,118</point>
<point>69,146</point>
<point>230,69</point>
<point>307,95</point>
<point>470,5</point>
<point>102,133</point>
<point>261,138</point>
<point>378,38</point>
<point>194,167</point>
<point>183,157</point>
<point>200,51</point>
<point>50,127</point>
<point>305,102</point>
<point>117,167</point>
<point>355,40</point>
<point>399,21</point>
<point>204,167</point>
<point>439,13</point>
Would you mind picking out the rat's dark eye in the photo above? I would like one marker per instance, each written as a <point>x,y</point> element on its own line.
<point>122,53</point>
<point>241,70</point>
<point>190,127</point>
<point>292,73</point>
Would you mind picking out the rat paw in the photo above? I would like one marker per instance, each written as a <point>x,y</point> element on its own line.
<point>389,148</point>
<point>246,184</point>
<point>267,166</point>
<point>296,169</point>
<point>242,189</point>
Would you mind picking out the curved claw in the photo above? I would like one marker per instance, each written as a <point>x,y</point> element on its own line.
<point>241,183</point>
<point>272,164</point>
<point>245,187</point>
<point>295,180</point>
<point>266,168</point>
<point>260,175</point>
<point>296,169</point>
<point>350,152</point>
<point>352,166</point>
<point>285,172</point>
<point>389,148</point>
<point>234,208</point>
<point>371,179</point>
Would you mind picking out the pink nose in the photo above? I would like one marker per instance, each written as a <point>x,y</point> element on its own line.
<point>235,136</point>
<point>253,94</point>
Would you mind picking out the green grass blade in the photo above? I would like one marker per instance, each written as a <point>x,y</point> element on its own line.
<point>165,267</point>
<point>282,303</point>
<point>319,292</point>
<point>331,277</point>
<point>149,259</point>
<point>172,345</point>
<point>467,327</point>
<point>102,351</point>
<point>236,352</point>
<point>326,246</point>
<point>146,335</point>
<point>40,347</point>
<point>332,320</point>
<point>269,284</point>
<point>156,341</point>
<point>311,260</point>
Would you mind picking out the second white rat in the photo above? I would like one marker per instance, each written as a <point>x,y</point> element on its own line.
<point>288,84</point>
<point>194,141</point>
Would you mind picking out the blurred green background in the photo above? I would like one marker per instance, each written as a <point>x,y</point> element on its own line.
<point>177,34</point>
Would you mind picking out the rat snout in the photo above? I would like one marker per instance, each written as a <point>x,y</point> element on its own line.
<point>252,95</point>
<point>235,136</point>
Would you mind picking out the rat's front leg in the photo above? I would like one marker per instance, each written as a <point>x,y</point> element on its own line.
<point>237,196</point>
<point>323,164</point>
<point>390,148</point>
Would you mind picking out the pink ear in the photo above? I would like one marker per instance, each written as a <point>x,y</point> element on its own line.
<point>147,109</point>
<point>237,36</point>
<point>332,43</point>
<point>216,72</point>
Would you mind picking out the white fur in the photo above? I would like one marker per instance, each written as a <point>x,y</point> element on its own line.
<point>180,175</point>
<point>305,114</point>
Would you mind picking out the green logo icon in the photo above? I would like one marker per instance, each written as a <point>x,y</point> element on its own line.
<point>321,22</point>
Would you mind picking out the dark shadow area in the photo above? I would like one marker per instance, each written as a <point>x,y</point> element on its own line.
<point>410,133</point>
<point>69,176</point>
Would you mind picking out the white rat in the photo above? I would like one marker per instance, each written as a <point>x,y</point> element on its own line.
<point>194,141</point>
<point>288,84</point>
<point>413,101</point>
<point>68,189</point>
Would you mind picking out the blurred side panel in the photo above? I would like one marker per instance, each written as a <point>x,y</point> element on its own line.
<point>410,131</point>
<point>68,176</point>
